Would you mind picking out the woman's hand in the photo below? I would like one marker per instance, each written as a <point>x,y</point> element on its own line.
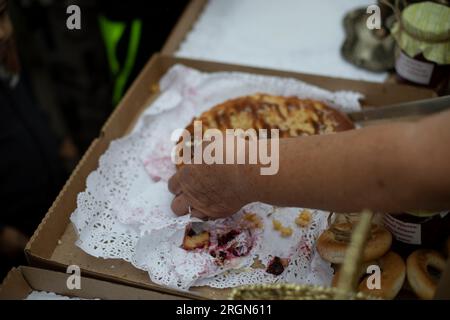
<point>220,190</point>
<point>210,191</point>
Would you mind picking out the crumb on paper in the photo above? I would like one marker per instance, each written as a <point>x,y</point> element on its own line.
<point>277,225</point>
<point>257,264</point>
<point>304,218</point>
<point>254,220</point>
<point>154,88</point>
<point>286,232</point>
<point>277,266</point>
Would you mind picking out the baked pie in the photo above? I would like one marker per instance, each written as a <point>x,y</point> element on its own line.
<point>291,115</point>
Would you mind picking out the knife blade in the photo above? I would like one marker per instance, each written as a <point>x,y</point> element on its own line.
<point>402,110</point>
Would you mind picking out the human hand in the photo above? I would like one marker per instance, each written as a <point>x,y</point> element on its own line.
<point>211,191</point>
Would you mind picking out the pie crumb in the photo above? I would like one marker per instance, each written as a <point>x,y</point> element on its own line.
<point>303,219</point>
<point>277,225</point>
<point>196,241</point>
<point>286,232</point>
<point>254,220</point>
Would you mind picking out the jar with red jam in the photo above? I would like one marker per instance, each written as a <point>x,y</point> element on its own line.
<point>415,230</point>
<point>423,45</point>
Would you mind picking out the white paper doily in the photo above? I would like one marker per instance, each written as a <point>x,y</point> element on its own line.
<point>43,295</point>
<point>125,210</point>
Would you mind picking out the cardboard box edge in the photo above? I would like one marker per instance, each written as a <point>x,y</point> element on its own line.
<point>186,22</point>
<point>35,275</point>
<point>106,128</point>
<point>9,289</point>
<point>36,235</point>
<point>310,78</point>
<point>21,281</point>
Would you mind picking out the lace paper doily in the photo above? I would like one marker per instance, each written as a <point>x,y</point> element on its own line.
<point>43,295</point>
<point>125,210</point>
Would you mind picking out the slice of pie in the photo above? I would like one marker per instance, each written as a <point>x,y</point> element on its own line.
<point>195,240</point>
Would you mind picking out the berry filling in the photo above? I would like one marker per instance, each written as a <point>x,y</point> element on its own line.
<point>230,245</point>
<point>277,266</point>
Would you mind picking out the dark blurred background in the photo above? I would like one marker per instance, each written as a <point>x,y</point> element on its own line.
<point>69,83</point>
<point>69,71</point>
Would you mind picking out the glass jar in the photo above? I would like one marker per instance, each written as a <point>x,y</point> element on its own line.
<point>419,71</point>
<point>412,231</point>
<point>423,39</point>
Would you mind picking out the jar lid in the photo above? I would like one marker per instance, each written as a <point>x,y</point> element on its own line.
<point>424,213</point>
<point>425,28</point>
<point>427,21</point>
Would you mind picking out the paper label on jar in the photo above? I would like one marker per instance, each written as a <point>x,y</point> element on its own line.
<point>413,70</point>
<point>403,231</point>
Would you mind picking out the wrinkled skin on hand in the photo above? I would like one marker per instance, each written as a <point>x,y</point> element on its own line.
<point>213,191</point>
<point>218,190</point>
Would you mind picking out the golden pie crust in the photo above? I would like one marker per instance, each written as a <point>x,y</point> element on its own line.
<point>291,115</point>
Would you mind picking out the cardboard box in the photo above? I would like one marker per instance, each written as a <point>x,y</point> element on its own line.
<point>52,245</point>
<point>21,281</point>
<point>183,26</point>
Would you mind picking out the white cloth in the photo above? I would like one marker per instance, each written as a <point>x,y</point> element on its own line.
<point>296,35</point>
<point>43,295</point>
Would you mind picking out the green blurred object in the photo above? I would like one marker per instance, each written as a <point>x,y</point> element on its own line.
<point>112,32</point>
<point>425,29</point>
<point>423,213</point>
